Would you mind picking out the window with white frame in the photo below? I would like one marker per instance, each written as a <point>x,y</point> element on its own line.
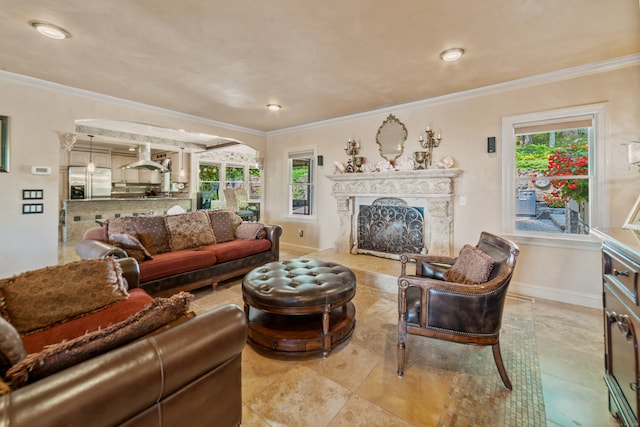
<point>552,183</point>
<point>301,187</point>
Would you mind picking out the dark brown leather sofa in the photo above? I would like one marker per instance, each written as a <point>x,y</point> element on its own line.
<point>188,375</point>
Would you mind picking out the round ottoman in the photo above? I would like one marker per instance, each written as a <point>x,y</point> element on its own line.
<point>299,307</point>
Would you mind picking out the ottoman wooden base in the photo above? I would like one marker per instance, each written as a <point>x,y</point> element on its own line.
<point>299,335</point>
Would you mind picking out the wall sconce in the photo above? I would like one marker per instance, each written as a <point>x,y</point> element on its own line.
<point>429,143</point>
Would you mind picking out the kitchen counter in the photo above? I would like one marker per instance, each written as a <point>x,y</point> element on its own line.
<point>79,215</point>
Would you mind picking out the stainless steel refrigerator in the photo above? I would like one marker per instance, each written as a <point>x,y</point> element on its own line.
<point>84,185</point>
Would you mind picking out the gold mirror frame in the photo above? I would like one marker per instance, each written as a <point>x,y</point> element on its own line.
<point>391,137</point>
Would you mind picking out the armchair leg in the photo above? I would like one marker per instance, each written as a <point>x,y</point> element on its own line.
<point>498,359</point>
<point>401,356</point>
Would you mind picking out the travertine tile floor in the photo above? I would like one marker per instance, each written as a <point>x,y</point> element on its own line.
<point>333,391</point>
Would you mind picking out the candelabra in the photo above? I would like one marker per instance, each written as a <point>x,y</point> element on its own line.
<point>429,143</point>
<point>352,148</point>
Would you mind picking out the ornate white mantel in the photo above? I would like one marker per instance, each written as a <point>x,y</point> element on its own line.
<point>431,189</point>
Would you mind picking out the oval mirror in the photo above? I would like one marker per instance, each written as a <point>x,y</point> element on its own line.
<point>391,137</point>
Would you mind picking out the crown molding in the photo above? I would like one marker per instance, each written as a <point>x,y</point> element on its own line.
<point>565,74</point>
<point>32,81</point>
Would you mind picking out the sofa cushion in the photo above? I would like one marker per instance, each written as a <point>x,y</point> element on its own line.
<point>131,245</point>
<point>41,298</point>
<point>122,225</point>
<point>114,313</point>
<point>12,349</point>
<point>170,263</point>
<point>223,224</point>
<point>471,267</point>
<point>190,230</point>
<point>251,230</point>
<point>237,249</point>
<point>60,356</point>
<point>153,233</point>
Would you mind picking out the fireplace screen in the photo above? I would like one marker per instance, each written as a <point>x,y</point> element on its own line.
<point>388,225</point>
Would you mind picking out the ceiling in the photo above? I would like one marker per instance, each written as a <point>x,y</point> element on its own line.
<point>225,60</point>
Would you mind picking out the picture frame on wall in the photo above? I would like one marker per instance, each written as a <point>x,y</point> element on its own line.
<point>633,219</point>
<point>4,144</point>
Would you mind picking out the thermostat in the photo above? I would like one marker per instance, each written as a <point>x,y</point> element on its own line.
<point>40,170</point>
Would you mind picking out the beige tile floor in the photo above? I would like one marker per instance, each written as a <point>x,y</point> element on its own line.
<point>341,390</point>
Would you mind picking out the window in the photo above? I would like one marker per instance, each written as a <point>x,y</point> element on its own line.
<point>209,177</point>
<point>234,177</point>
<point>301,170</point>
<point>551,181</point>
<point>255,184</point>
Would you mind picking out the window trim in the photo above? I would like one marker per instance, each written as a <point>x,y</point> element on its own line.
<point>304,151</point>
<point>599,211</point>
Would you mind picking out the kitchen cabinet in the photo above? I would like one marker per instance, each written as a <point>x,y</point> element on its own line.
<point>621,271</point>
<point>123,175</point>
<point>101,158</point>
<point>147,176</point>
<point>175,167</point>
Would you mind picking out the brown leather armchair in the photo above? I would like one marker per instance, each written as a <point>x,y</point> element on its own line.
<point>430,306</point>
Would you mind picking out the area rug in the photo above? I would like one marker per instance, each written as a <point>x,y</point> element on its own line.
<point>472,399</point>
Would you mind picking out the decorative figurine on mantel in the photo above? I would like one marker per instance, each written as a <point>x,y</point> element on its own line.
<point>432,141</point>
<point>354,164</point>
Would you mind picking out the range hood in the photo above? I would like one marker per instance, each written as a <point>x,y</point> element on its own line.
<point>144,160</point>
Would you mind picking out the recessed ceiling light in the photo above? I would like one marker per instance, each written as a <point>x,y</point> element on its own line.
<point>452,54</point>
<point>50,30</point>
<point>274,107</point>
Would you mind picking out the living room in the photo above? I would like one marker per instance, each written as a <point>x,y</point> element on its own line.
<point>566,270</point>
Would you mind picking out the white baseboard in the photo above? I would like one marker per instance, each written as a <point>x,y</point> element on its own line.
<point>296,248</point>
<point>561,295</point>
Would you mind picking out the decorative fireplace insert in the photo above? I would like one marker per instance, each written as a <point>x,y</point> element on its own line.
<point>389,225</point>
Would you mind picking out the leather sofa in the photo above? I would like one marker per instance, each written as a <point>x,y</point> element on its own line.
<point>187,373</point>
<point>189,268</point>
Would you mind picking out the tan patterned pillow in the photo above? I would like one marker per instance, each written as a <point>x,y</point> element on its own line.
<point>11,348</point>
<point>37,299</point>
<point>190,230</point>
<point>222,222</point>
<point>152,233</point>
<point>250,230</point>
<point>131,245</point>
<point>122,225</point>
<point>472,267</point>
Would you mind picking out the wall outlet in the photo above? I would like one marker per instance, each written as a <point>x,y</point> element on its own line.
<point>300,233</point>
<point>462,201</point>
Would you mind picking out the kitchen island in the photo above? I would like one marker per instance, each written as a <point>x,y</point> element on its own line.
<point>78,216</point>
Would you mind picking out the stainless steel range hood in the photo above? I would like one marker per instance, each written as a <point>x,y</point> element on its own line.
<point>144,160</point>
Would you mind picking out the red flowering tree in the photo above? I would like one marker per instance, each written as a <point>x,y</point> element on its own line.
<point>571,161</point>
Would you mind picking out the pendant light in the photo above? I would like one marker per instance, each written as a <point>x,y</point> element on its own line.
<point>91,167</point>
<point>181,163</point>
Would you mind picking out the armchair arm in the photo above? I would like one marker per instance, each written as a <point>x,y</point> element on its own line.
<point>130,271</point>
<point>433,266</point>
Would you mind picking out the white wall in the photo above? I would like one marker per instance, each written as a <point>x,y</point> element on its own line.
<point>466,121</point>
<point>36,111</point>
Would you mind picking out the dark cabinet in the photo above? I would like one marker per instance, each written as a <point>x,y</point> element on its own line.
<point>621,270</point>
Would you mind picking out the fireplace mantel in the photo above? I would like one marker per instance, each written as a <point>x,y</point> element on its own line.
<point>431,189</point>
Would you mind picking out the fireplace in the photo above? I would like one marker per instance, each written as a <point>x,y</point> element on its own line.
<point>430,191</point>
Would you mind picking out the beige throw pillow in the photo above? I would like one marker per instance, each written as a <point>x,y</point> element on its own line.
<point>190,230</point>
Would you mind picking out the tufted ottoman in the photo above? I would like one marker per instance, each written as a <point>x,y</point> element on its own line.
<point>299,307</point>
